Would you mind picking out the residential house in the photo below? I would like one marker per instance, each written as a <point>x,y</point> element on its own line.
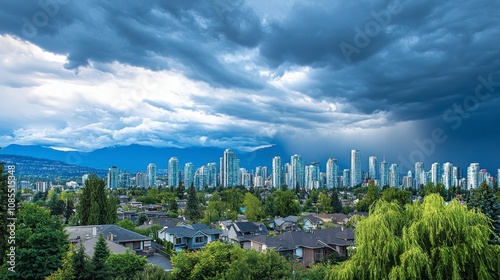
<point>311,222</point>
<point>241,232</point>
<point>193,237</point>
<point>307,247</point>
<point>285,224</point>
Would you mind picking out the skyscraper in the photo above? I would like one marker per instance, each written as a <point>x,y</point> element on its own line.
<point>473,176</point>
<point>419,169</point>
<point>498,177</point>
<point>277,177</point>
<point>408,180</point>
<point>447,176</point>
<point>346,178</point>
<point>384,174</point>
<point>151,174</point>
<point>435,173</point>
<point>332,170</point>
<point>173,172</point>
<point>188,174</point>
<point>141,180</point>
<point>231,165</point>
<point>297,174</point>
<point>113,177</point>
<point>211,174</point>
<point>355,168</point>
<point>312,176</point>
<point>457,175</point>
<point>394,175</point>
<point>373,167</point>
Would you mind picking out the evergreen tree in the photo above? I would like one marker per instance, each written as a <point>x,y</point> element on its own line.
<point>486,201</point>
<point>41,243</point>
<point>371,196</point>
<point>68,211</point>
<point>112,208</point>
<point>99,205</point>
<point>336,203</point>
<point>85,201</point>
<point>79,262</point>
<point>253,207</point>
<point>174,207</point>
<point>192,209</point>
<point>125,265</point>
<point>98,268</point>
<point>56,205</point>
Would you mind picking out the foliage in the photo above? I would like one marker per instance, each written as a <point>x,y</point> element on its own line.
<point>126,223</point>
<point>253,207</point>
<point>66,272</point>
<point>142,219</point>
<point>282,203</point>
<point>94,208</point>
<point>371,196</point>
<point>80,264</point>
<point>125,266</point>
<point>486,201</point>
<point>422,241</point>
<point>324,203</point>
<point>41,243</point>
<point>400,196</point>
<point>431,188</point>
<point>56,205</point>
<point>225,261</point>
<point>4,193</point>
<point>68,210</point>
<point>151,272</point>
<point>192,207</point>
<point>336,203</point>
<point>98,267</point>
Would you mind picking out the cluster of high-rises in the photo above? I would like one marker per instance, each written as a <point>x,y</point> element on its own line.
<point>297,174</point>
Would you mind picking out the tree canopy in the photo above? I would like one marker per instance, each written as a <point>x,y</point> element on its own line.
<point>429,240</point>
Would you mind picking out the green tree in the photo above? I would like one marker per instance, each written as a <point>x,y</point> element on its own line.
<point>41,243</point>
<point>125,266</point>
<point>126,223</point>
<point>56,205</point>
<point>174,207</point>
<point>487,202</point>
<point>286,203</point>
<point>215,209</point>
<point>80,264</point>
<point>336,203</point>
<point>94,207</point>
<point>68,210</point>
<point>192,208</point>
<point>142,219</point>
<point>152,272</point>
<point>371,196</point>
<point>66,272</point>
<point>98,267</point>
<point>324,203</point>
<point>432,240</point>
<point>253,207</point>
<point>400,196</point>
<point>111,209</point>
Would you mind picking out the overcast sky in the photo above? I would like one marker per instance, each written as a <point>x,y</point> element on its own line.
<point>408,80</point>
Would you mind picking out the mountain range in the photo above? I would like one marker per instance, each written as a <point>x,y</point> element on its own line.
<point>135,158</point>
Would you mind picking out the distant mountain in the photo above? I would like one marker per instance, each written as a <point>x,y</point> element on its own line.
<point>46,168</point>
<point>135,158</point>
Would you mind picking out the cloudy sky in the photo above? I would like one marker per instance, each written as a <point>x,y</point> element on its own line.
<point>408,80</point>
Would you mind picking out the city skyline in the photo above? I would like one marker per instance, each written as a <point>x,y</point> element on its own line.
<point>412,81</point>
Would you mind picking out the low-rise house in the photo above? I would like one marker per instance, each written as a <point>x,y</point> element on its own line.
<point>124,237</point>
<point>307,247</point>
<point>285,224</point>
<point>311,222</point>
<point>241,232</point>
<point>192,237</point>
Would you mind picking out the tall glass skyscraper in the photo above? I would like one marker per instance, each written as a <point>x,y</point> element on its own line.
<point>435,173</point>
<point>113,177</point>
<point>230,168</point>
<point>384,173</point>
<point>394,175</point>
<point>419,169</point>
<point>188,174</point>
<point>151,174</point>
<point>447,176</point>
<point>277,177</point>
<point>297,176</point>
<point>332,172</point>
<point>173,172</point>
<point>373,167</point>
<point>355,168</point>
<point>473,176</point>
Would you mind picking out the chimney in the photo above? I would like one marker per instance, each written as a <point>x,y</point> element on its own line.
<point>94,231</point>
<point>342,228</point>
<point>110,236</point>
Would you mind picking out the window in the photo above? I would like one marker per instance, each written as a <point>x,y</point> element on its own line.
<point>198,239</point>
<point>178,241</point>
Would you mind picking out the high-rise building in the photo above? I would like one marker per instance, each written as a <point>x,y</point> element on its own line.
<point>355,168</point>
<point>384,173</point>
<point>113,177</point>
<point>373,167</point>
<point>211,175</point>
<point>231,166</point>
<point>419,169</point>
<point>408,180</point>
<point>394,175</point>
<point>435,173</point>
<point>188,174</point>
<point>173,172</point>
<point>332,171</point>
<point>457,175</point>
<point>288,174</point>
<point>151,174</point>
<point>473,176</point>
<point>277,177</point>
<point>124,180</point>
<point>447,176</point>
<point>346,178</point>
<point>297,176</point>
<point>312,176</point>
<point>498,177</point>
<point>141,179</point>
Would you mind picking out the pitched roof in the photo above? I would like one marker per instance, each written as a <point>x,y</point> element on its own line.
<point>119,234</point>
<point>248,227</point>
<point>313,219</point>
<point>89,245</point>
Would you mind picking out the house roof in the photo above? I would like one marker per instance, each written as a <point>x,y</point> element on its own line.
<point>188,232</point>
<point>89,245</point>
<point>119,234</point>
<point>313,219</point>
<point>249,227</point>
<point>316,239</point>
